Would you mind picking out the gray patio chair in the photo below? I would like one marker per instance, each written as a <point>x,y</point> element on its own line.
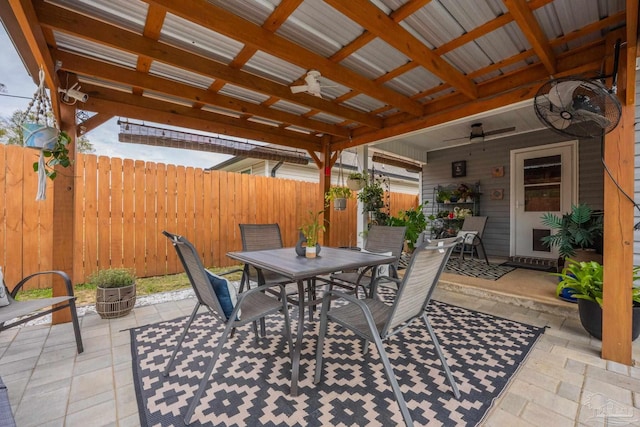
<point>257,237</point>
<point>380,239</point>
<point>213,293</point>
<point>373,320</point>
<point>19,312</point>
<point>471,232</point>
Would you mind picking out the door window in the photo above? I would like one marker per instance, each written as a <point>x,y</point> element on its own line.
<point>542,182</point>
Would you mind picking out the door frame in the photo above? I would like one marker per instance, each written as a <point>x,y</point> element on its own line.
<point>574,185</point>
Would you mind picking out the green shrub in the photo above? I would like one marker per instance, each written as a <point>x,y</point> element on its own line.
<point>112,278</point>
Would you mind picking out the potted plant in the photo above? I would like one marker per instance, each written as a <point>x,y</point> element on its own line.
<point>415,222</point>
<point>356,180</point>
<point>444,196</point>
<point>584,280</point>
<point>115,291</point>
<point>310,231</point>
<point>339,196</point>
<point>578,229</point>
<point>371,196</point>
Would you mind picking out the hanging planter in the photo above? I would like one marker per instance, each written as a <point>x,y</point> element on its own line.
<point>339,196</point>
<point>40,131</point>
<point>356,181</point>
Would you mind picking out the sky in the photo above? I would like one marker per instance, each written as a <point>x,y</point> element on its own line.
<point>18,82</point>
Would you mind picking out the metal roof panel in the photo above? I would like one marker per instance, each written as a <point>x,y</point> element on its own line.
<point>129,14</point>
<point>273,68</point>
<point>364,103</point>
<point>243,94</point>
<point>198,39</point>
<point>319,28</point>
<point>255,11</point>
<point>414,81</point>
<point>93,50</point>
<point>178,74</point>
<point>375,59</point>
<point>290,107</point>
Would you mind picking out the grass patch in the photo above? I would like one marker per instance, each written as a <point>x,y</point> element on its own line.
<point>86,294</point>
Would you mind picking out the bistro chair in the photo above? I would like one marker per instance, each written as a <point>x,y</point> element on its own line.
<point>219,297</point>
<point>380,239</point>
<point>471,233</point>
<point>373,320</point>
<point>258,237</point>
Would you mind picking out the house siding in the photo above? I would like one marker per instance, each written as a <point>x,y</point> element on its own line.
<point>481,158</point>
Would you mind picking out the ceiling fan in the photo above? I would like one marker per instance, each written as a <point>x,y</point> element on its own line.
<point>478,134</point>
<point>312,86</point>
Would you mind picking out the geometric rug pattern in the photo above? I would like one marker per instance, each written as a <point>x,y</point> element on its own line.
<point>477,268</point>
<point>250,384</point>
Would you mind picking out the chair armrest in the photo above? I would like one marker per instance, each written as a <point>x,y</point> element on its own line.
<point>65,277</point>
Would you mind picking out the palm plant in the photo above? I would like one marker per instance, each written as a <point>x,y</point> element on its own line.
<point>576,229</point>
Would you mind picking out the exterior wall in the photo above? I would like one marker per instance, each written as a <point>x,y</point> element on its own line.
<point>481,158</point>
<point>309,174</point>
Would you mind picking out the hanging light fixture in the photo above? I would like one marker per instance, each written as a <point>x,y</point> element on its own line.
<point>477,134</point>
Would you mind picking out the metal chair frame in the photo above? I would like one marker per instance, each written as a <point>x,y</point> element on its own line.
<point>373,320</point>
<point>254,303</point>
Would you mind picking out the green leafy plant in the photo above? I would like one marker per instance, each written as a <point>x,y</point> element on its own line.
<point>357,175</point>
<point>443,195</point>
<point>337,193</point>
<point>371,196</point>
<point>576,229</point>
<point>58,155</point>
<point>584,279</point>
<point>312,227</point>
<point>415,221</point>
<point>112,278</point>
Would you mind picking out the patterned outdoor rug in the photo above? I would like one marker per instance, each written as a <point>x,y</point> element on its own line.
<point>250,385</point>
<point>477,268</point>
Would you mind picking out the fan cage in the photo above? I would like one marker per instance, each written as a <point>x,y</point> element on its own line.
<point>589,95</point>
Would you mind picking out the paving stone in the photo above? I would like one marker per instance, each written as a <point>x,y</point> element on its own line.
<point>502,418</point>
<point>569,391</point>
<point>127,401</point>
<point>103,414</point>
<point>91,384</point>
<point>542,397</point>
<point>622,380</point>
<point>46,408</point>
<point>590,358</point>
<point>512,403</point>
<point>610,391</point>
<point>541,416</point>
<point>96,399</point>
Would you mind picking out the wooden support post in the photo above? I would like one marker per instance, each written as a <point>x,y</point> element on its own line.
<point>618,222</point>
<point>325,184</point>
<point>63,212</point>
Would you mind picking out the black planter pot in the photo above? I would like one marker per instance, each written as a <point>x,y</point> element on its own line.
<point>591,318</point>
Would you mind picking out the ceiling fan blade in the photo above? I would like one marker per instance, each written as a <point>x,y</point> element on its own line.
<point>499,131</point>
<point>300,88</point>
<point>460,138</point>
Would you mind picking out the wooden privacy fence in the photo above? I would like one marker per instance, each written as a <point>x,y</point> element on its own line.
<point>122,206</point>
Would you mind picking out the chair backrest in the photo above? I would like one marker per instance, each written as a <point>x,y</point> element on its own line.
<point>196,273</point>
<point>384,238</point>
<point>474,223</point>
<point>419,281</point>
<point>257,237</point>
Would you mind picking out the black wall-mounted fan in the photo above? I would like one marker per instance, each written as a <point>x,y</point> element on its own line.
<point>577,107</point>
<point>580,107</point>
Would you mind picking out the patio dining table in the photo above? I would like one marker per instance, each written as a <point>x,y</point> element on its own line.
<point>299,269</point>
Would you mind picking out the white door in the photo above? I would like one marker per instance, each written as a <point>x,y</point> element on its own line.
<point>543,179</point>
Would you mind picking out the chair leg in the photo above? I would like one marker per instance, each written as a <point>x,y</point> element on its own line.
<point>445,366</point>
<point>483,251</point>
<point>76,325</point>
<point>391,376</point>
<point>205,379</point>
<point>182,336</point>
<point>326,300</point>
<point>287,325</point>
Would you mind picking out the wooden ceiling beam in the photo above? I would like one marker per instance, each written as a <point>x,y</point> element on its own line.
<point>87,28</point>
<point>531,28</point>
<point>27,20</point>
<point>609,21</point>
<point>93,122</point>
<point>377,22</point>
<point>117,103</point>
<point>113,73</point>
<point>230,25</point>
<point>514,87</point>
<point>152,29</point>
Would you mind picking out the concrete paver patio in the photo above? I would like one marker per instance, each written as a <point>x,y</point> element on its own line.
<point>563,382</point>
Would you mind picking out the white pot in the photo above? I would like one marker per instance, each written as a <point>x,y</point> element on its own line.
<point>310,252</point>
<point>355,184</point>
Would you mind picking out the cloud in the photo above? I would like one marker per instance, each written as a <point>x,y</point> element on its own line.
<point>18,82</point>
